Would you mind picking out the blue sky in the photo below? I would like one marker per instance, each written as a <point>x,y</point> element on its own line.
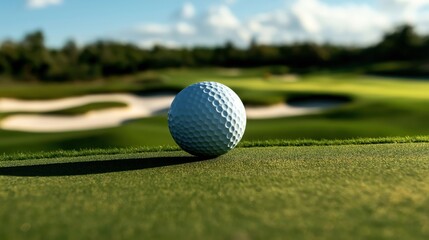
<point>178,23</point>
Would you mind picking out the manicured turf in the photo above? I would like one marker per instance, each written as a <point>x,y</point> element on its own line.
<point>243,144</point>
<point>376,191</point>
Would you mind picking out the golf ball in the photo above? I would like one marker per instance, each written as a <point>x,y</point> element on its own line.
<point>207,119</point>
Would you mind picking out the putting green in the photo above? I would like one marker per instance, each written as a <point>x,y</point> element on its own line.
<point>378,191</point>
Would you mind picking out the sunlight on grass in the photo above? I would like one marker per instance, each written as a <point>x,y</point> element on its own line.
<point>323,192</point>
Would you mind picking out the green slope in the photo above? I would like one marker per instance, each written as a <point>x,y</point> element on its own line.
<point>378,191</point>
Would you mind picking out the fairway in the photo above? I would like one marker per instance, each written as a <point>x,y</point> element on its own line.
<point>376,191</point>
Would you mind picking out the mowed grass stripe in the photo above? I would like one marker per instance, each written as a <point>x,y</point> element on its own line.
<point>245,144</point>
<point>376,191</point>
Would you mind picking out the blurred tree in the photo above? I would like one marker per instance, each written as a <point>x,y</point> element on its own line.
<point>71,51</point>
<point>163,57</point>
<point>401,44</point>
<point>6,58</point>
<point>30,60</point>
<point>202,56</point>
<point>260,55</point>
<point>69,57</point>
<point>34,61</point>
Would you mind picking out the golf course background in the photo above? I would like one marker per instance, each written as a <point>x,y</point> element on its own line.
<point>383,88</point>
<point>375,106</point>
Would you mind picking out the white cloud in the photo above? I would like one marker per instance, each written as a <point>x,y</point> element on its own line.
<point>187,11</point>
<point>348,23</point>
<point>219,24</point>
<point>314,20</point>
<point>154,29</point>
<point>185,28</point>
<point>220,18</point>
<point>404,3</point>
<point>38,4</point>
<point>404,10</point>
<point>214,26</point>
<point>148,43</point>
<point>303,20</point>
<point>230,2</point>
<point>422,23</point>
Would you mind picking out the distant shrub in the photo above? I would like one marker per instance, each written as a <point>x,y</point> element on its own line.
<point>279,70</point>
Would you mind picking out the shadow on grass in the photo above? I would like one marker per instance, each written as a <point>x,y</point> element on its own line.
<point>95,167</point>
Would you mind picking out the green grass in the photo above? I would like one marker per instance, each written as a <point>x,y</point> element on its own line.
<point>88,107</point>
<point>144,132</point>
<point>244,144</point>
<point>375,191</point>
<point>400,69</point>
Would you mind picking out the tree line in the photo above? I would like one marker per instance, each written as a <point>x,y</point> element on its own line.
<point>30,60</point>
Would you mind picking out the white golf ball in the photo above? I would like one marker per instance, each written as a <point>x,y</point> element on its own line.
<point>207,119</point>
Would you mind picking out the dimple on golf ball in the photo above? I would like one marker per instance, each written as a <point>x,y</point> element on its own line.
<point>207,119</point>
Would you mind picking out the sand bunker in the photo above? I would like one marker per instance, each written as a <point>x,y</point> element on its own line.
<point>279,110</point>
<point>138,107</point>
